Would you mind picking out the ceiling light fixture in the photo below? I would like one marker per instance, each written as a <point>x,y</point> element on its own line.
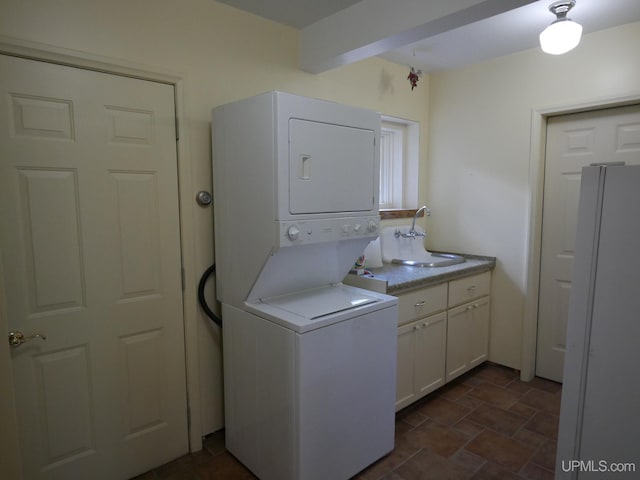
<point>563,34</point>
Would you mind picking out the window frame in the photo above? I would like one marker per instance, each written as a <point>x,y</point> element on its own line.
<point>404,181</point>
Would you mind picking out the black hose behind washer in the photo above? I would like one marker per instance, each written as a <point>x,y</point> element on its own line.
<point>203,302</point>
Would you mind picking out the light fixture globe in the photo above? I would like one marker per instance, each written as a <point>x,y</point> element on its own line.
<point>563,34</point>
<point>560,37</point>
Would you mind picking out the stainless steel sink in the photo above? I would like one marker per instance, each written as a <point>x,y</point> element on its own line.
<point>431,259</point>
<point>405,246</point>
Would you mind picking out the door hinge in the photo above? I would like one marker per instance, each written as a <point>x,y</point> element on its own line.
<point>189,418</point>
<point>182,278</point>
<point>177,129</point>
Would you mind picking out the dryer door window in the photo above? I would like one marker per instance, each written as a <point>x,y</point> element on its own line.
<point>331,168</point>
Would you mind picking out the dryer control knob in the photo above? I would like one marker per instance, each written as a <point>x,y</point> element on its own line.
<point>372,226</point>
<point>293,232</point>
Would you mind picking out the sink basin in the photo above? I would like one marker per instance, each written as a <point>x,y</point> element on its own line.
<point>430,260</point>
<point>401,248</point>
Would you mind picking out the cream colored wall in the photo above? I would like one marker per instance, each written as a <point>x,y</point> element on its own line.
<point>480,131</point>
<point>222,54</point>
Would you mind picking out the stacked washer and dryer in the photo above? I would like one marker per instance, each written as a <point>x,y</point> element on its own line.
<point>309,363</point>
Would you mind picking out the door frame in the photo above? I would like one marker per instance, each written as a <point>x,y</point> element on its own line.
<point>72,58</point>
<point>537,159</point>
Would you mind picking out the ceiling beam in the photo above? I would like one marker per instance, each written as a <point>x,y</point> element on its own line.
<point>372,27</point>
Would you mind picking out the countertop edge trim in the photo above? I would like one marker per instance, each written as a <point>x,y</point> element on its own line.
<point>445,277</point>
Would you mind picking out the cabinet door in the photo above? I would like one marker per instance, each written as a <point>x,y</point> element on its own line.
<point>458,320</point>
<point>405,392</point>
<point>431,339</point>
<point>479,332</point>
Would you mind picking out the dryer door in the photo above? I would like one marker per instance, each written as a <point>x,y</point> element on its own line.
<point>331,168</point>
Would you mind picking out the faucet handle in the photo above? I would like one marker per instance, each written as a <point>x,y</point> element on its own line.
<point>425,209</point>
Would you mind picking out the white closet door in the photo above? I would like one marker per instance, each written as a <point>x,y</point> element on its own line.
<point>573,141</point>
<point>89,235</point>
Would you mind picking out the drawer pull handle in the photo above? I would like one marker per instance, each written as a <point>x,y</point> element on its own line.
<point>420,304</point>
<point>471,288</point>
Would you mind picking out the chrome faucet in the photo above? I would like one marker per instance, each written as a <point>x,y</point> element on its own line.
<point>412,233</point>
<point>427,212</point>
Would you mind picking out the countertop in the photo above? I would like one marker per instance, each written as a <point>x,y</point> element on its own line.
<point>394,279</point>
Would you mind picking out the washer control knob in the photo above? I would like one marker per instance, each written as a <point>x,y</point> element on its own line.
<point>293,232</point>
<point>372,226</point>
<point>357,227</point>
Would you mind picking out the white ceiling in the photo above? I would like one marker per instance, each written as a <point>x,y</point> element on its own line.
<point>295,13</point>
<point>452,33</point>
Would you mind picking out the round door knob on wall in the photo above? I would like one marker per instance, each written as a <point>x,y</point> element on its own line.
<point>204,198</point>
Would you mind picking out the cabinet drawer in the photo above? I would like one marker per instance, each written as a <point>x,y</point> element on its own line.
<point>468,288</point>
<point>421,302</point>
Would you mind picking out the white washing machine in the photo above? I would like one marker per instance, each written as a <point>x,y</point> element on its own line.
<point>314,382</point>
<point>309,363</point>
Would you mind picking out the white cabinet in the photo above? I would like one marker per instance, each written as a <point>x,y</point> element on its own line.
<point>420,303</point>
<point>421,358</point>
<point>469,288</point>
<point>443,332</point>
<point>467,324</point>
<point>467,337</point>
<point>421,343</point>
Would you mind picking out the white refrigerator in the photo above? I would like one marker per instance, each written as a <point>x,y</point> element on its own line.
<point>599,435</point>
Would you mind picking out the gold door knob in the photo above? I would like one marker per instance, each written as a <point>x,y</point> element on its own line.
<point>17,338</point>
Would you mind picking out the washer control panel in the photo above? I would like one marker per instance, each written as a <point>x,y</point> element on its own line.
<point>327,230</point>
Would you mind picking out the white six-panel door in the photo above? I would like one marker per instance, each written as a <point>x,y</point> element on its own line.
<point>89,235</point>
<point>573,141</point>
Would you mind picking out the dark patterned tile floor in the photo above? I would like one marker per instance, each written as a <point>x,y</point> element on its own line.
<point>486,424</point>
